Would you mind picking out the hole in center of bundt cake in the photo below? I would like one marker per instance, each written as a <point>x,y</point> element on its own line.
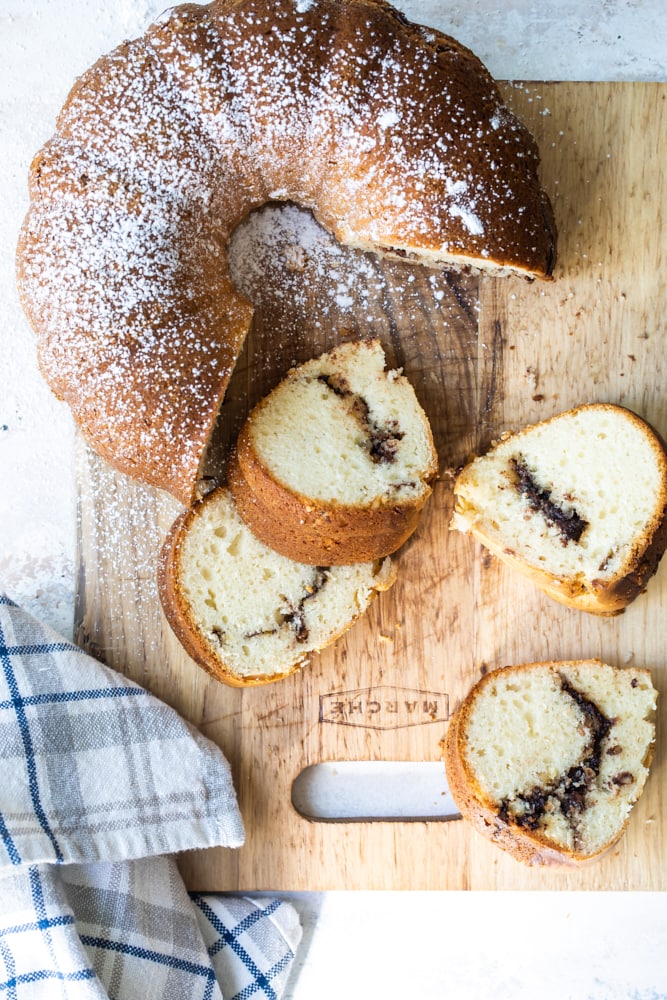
<point>380,441</point>
<point>569,793</point>
<point>566,519</point>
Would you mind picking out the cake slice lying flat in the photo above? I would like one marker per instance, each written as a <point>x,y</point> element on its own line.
<point>245,613</point>
<point>578,503</point>
<point>547,759</point>
<point>335,465</point>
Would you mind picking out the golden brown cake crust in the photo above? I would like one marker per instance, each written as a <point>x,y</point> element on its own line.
<point>167,143</point>
<point>313,532</point>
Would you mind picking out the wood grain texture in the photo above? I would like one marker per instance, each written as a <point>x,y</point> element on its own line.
<point>484,356</point>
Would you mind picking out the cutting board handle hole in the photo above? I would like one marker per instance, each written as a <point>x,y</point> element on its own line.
<point>384,790</point>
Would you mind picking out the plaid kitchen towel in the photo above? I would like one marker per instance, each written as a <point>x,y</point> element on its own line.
<point>100,784</point>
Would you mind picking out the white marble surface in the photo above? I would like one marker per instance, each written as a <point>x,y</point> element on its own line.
<point>496,946</point>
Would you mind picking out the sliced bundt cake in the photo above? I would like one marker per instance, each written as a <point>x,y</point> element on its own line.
<point>547,759</point>
<point>243,612</point>
<point>578,503</point>
<point>335,465</point>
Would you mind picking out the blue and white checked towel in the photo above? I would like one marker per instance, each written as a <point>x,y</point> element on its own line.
<point>100,785</point>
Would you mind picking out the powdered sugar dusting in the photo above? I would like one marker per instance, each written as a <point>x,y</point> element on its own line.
<point>387,119</point>
<point>469,219</point>
<point>463,208</point>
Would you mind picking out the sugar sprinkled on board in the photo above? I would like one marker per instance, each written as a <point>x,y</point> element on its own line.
<point>287,238</point>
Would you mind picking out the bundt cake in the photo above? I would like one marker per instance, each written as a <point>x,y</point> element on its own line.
<point>578,503</point>
<point>394,135</point>
<point>334,466</point>
<point>547,759</point>
<point>245,613</point>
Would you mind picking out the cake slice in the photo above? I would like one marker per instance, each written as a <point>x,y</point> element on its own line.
<point>547,759</point>
<point>245,613</point>
<point>335,465</point>
<point>578,503</point>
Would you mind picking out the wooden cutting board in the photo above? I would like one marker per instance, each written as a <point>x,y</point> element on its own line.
<point>484,355</point>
